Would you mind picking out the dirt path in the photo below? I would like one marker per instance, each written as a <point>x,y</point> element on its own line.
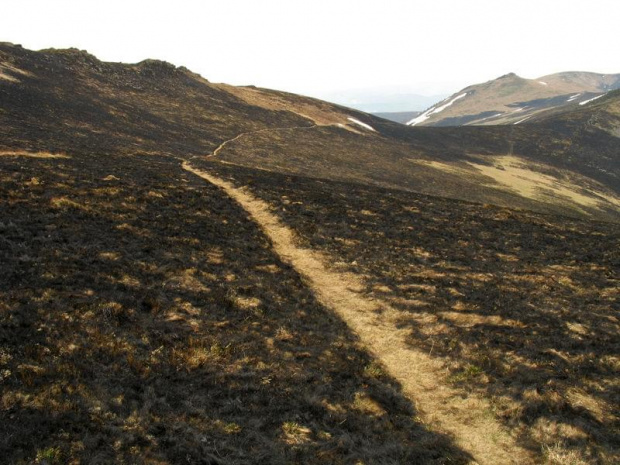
<point>229,141</point>
<point>468,419</point>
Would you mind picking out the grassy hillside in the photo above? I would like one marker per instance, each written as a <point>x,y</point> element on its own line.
<point>66,101</point>
<point>146,318</point>
<point>521,307</point>
<point>511,99</point>
<point>445,163</point>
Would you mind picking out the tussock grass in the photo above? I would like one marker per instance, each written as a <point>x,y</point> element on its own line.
<point>23,153</point>
<point>68,101</point>
<point>519,308</point>
<point>145,319</point>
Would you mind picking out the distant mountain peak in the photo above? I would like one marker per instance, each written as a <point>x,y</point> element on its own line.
<point>511,99</point>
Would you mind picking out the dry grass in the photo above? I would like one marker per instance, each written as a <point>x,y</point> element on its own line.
<point>495,178</point>
<point>11,73</point>
<point>8,77</point>
<point>421,378</point>
<point>77,104</point>
<point>515,174</point>
<point>23,153</point>
<point>534,181</point>
<point>520,309</point>
<point>321,113</point>
<point>145,319</point>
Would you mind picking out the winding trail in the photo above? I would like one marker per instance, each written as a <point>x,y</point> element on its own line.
<point>239,136</point>
<point>467,418</point>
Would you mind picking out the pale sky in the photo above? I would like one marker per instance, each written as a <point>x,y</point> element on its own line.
<point>316,47</point>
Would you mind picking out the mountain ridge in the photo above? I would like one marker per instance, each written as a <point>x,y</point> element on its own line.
<point>68,101</point>
<point>511,99</point>
<point>202,273</point>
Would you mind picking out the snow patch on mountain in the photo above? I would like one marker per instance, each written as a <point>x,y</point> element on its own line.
<point>433,110</point>
<point>521,120</point>
<point>488,117</point>
<point>359,123</point>
<point>591,100</point>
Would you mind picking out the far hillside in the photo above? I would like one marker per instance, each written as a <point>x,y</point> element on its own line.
<point>568,163</point>
<point>61,101</point>
<point>511,99</point>
<point>203,274</point>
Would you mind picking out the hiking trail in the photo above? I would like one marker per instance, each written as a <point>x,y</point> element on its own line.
<point>467,418</point>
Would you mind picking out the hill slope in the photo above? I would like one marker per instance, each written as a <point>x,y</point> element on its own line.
<point>68,101</point>
<point>566,164</point>
<point>519,307</point>
<point>511,99</point>
<point>145,317</point>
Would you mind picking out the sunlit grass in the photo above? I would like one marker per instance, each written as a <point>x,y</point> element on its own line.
<point>517,307</point>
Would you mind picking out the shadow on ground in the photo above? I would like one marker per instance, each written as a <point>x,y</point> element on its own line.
<point>145,319</point>
<point>523,308</point>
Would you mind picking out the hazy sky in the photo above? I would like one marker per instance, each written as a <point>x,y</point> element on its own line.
<point>315,46</point>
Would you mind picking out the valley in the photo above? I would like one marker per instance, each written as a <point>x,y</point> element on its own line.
<point>202,273</point>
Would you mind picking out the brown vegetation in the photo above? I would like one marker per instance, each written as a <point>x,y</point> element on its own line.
<point>521,308</point>
<point>145,319</point>
<point>68,101</point>
<point>377,325</point>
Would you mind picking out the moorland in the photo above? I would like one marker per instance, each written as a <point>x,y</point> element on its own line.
<point>148,313</point>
